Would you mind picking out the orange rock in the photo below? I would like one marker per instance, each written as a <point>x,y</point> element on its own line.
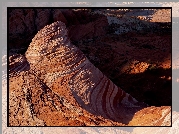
<point>63,88</point>
<point>52,57</point>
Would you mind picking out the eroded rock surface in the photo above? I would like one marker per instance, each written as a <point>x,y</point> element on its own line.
<point>63,88</point>
<point>128,48</point>
<point>33,103</point>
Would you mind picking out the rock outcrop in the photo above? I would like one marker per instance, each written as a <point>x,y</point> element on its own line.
<point>142,55</point>
<point>63,88</point>
<point>33,103</point>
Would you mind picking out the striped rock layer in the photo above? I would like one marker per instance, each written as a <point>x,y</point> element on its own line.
<point>33,103</point>
<point>55,60</point>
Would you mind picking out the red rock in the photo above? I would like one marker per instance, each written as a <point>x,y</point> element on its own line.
<point>20,110</point>
<point>63,88</point>
<point>54,59</point>
<point>32,103</point>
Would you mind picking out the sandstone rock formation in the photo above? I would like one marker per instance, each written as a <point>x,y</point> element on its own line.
<point>51,48</point>
<point>38,105</point>
<point>136,55</point>
<point>63,88</point>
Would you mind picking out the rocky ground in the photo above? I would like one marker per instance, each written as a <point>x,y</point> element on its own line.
<point>131,50</point>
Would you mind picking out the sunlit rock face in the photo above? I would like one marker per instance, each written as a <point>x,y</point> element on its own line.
<point>20,81</point>
<point>33,103</point>
<point>159,130</point>
<point>61,87</point>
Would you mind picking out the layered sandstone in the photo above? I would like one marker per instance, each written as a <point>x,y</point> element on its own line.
<point>63,88</point>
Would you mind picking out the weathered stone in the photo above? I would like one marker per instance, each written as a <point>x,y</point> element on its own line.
<point>62,82</point>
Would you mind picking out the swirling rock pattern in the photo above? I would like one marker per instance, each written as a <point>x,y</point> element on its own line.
<point>63,80</point>
<point>33,103</point>
<point>94,92</point>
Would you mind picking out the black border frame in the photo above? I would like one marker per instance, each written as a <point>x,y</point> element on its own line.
<point>8,8</point>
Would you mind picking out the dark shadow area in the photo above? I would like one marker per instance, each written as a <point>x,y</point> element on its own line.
<point>24,23</point>
<point>152,45</point>
<point>149,87</point>
<point>155,81</point>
